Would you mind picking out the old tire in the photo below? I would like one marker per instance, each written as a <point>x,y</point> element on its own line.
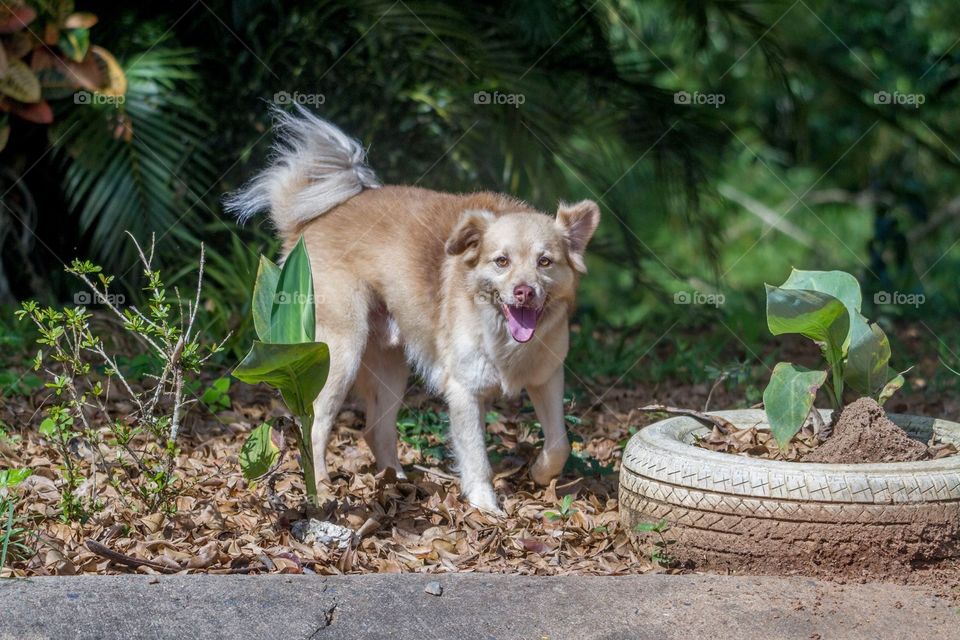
<point>735,512</point>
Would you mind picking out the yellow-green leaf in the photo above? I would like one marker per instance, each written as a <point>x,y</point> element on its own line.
<point>259,453</point>
<point>264,292</point>
<point>20,83</point>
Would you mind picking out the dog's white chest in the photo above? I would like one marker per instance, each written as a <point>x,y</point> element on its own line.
<point>475,367</point>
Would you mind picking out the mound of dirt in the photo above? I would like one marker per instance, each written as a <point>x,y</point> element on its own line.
<point>863,433</point>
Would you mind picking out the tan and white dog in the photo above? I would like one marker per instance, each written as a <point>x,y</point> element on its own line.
<point>474,291</point>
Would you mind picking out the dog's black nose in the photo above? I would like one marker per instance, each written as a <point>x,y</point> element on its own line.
<point>524,294</point>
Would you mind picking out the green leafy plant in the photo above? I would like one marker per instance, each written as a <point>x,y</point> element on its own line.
<point>825,307</point>
<point>564,512</point>
<point>286,356</point>
<point>425,431</point>
<point>35,70</point>
<point>13,536</point>
<point>217,395</point>
<point>82,374</point>
<point>660,554</point>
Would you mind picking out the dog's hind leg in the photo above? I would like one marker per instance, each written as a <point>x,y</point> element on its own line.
<point>342,324</point>
<point>382,381</point>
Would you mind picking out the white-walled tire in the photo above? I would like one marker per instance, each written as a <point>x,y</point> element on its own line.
<point>732,511</point>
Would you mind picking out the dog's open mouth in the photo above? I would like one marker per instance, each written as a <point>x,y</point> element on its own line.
<point>521,321</point>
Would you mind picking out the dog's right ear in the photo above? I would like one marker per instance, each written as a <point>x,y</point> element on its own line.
<point>466,237</point>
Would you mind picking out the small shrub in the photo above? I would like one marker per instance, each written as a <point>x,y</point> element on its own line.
<point>564,512</point>
<point>134,449</point>
<point>660,554</point>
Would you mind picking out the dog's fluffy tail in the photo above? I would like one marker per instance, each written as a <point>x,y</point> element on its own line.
<point>314,167</point>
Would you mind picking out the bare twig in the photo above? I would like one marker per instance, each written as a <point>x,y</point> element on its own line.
<point>129,561</point>
<point>720,380</point>
<point>724,425</point>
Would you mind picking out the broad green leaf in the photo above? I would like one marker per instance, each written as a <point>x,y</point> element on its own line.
<point>10,478</point>
<point>842,286</point>
<point>816,315</point>
<point>839,284</point>
<point>259,453</point>
<point>788,398</point>
<point>866,369</point>
<point>292,317</point>
<point>298,371</point>
<point>264,293</point>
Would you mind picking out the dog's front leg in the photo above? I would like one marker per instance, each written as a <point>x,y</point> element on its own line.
<point>548,401</point>
<point>466,431</point>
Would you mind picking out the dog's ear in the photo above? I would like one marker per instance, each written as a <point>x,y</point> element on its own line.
<point>466,237</point>
<point>577,222</point>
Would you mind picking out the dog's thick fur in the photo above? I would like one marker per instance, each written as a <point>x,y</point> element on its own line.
<point>407,275</point>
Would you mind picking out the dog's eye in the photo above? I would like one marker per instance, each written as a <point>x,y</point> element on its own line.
<point>544,261</point>
<point>501,261</point>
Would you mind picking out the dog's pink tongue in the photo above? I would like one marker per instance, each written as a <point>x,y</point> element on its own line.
<point>522,322</point>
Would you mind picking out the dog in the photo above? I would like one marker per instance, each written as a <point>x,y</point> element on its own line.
<point>473,291</point>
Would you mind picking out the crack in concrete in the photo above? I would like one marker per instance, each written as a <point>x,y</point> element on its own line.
<point>328,618</point>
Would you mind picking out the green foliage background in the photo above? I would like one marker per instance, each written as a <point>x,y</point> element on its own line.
<point>800,166</point>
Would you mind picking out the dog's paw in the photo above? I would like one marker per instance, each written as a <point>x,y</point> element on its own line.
<point>540,476</point>
<point>495,511</point>
<point>486,500</point>
<point>549,465</point>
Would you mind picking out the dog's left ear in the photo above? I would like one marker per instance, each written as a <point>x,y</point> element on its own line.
<point>466,237</point>
<point>577,222</point>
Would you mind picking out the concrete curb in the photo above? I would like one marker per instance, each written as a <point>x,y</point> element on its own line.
<point>486,606</point>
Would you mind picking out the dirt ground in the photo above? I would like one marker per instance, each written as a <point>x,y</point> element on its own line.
<point>223,525</point>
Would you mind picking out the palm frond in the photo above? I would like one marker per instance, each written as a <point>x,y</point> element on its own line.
<point>142,165</point>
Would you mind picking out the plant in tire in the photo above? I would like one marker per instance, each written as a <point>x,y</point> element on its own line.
<point>286,357</point>
<point>824,306</point>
